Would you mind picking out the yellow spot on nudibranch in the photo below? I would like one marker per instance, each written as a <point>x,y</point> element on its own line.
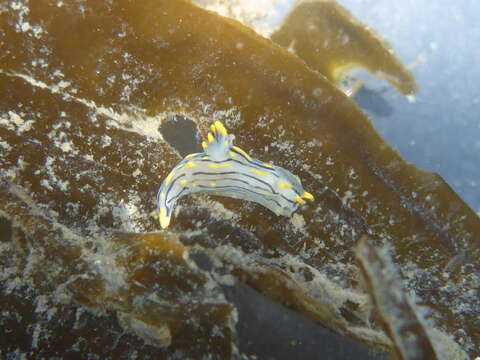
<point>189,164</point>
<point>204,145</point>
<point>212,128</point>
<point>183,182</point>
<point>242,152</point>
<point>205,158</point>
<point>215,166</point>
<point>258,172</point>
<point>299,200</point>
<point>268,165</point>
<point>163,218</point>
<point>162,195</point>
<point>210,137</point>
<point>169,177</point>
<point>308,196</point>
<point>284,185</point>
<point>190,155</point>
<point>212,184</point>
<point>194,185</point>
<point>232,154</point>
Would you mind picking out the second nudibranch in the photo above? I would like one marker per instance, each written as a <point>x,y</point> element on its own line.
<point>226,170</point>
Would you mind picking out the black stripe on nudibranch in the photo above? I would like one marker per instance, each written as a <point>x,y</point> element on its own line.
<point>174,198</point>
<point>235,173</point>
<point>272,190</point>
<point>239,189</point>
<point>172,182</point>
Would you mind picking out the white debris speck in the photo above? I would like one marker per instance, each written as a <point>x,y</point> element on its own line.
<point>111,80</point>
<point>16,5</point>
<point>227,279</point>
<point>17,120</point>
<point>347,197</point>
<point>45,183</point>
<point>351,173</point>
<point>25,26</point>
<point>88,157</point>
<point>13,121</point>
<point>127,214</point>
<point>37,31</point>
<point>136,173</point>
<point>9,174</point>
<point>5,145</point>
<point>63,84</point>
<point>37,331</point>
<point>67,146</point>
<point>106,140</point>
<point>317,92</point>
<point>298,221</point>
<point>58,73</point>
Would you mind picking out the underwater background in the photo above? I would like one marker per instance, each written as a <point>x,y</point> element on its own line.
<point>437,129</point>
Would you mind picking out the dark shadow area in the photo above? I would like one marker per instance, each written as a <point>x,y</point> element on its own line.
<point>5,230</point>
<point>269,331</point>
<point>373,101</point>
<point>182,134</point>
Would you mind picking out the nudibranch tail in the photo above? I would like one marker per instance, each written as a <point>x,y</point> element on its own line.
<point>226,170</point>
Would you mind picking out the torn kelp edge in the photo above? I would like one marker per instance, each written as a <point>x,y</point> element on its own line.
<point>321,298</point>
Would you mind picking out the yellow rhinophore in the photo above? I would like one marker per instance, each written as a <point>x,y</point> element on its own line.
<point>308,196</point>
<point>220,128</point>
<point>299,200</point>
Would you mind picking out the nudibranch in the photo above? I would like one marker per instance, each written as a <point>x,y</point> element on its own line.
<point>226,170</point>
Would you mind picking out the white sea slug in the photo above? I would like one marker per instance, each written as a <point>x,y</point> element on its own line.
<point>226,170</point>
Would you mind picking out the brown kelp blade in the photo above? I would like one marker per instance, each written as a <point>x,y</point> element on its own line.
<point>140,278</point>
<point>123,67</point>
<point>54,153</point>
<point>332,41</point>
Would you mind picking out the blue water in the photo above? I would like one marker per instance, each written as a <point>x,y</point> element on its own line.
<point>440,131</point>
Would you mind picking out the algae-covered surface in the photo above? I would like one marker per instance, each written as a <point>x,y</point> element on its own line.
<point>86,272</point>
